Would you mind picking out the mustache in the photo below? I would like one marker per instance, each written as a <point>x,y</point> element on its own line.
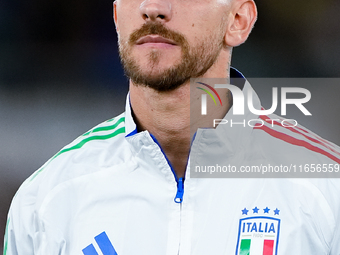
<point>156,28</point>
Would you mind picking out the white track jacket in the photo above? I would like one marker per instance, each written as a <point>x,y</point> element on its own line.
<point>113,192</point>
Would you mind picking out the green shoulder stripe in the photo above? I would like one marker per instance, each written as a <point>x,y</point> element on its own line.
<point>86,140</point>
<point>98,129</point>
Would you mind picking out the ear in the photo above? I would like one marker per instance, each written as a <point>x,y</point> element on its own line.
<point>243,15</point>
<point>115,15</point>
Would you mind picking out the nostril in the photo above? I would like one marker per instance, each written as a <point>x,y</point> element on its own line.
<point>155,10</point>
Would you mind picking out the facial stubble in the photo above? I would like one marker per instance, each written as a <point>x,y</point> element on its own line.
<point>194,62</point>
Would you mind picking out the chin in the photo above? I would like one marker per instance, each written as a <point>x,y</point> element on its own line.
<point>154,72</point>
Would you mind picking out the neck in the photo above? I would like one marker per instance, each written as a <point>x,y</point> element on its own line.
<point>174,116</point>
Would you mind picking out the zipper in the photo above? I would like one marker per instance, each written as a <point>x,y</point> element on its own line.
<point>180,190</point>
<point>180,181</point>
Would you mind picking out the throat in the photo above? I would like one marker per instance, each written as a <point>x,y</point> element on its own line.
<point>178,157</point>
<point>176,147</point>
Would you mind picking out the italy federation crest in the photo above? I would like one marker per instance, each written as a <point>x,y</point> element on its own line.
<point>258,234</point>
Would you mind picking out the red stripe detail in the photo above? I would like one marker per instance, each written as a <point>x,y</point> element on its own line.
<point>317,137</point>
<point>310,133</point>
<point>294,141</point>
<point>294,129</point>
<point>268,247</point>
<point>212,90</point>
<point>301,129</point>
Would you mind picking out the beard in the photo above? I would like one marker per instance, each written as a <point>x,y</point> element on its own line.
<point>194,62</point>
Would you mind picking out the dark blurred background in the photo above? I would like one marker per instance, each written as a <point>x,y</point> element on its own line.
<point>60,73</point>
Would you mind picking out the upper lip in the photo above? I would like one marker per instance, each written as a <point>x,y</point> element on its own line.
<point>154,39</point>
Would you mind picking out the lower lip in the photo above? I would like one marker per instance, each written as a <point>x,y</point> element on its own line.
<point>157,45</point>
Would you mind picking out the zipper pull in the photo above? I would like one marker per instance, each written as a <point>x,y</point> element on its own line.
<point>180,191</point>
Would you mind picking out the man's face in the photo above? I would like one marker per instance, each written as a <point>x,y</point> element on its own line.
<point>164,43</point>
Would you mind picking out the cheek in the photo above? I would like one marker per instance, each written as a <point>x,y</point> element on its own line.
<point>125,28</point>
<point>201,32</point>
<point>208,16</point>
<point>201,24</point>
<point>128,18</point>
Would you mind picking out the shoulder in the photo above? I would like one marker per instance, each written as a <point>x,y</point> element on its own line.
<point>102,146</point>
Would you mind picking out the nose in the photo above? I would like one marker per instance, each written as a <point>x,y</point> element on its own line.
<point>156,10</point>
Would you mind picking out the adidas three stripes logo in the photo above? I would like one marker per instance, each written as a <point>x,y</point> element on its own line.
<point>104,244</point>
